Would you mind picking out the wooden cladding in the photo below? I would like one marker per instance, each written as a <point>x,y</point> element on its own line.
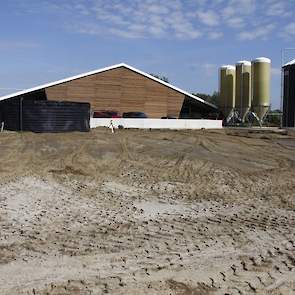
<point>121,90</point>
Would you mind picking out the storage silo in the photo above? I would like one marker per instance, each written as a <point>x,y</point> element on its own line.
<point>289,94</point>
<point>261,86</point>
<point>227,89</point>
<point>243,88</point>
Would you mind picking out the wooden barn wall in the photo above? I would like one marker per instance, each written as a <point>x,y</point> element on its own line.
<point>121,90</point>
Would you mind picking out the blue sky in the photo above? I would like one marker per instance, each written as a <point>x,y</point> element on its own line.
<point>185,40</point>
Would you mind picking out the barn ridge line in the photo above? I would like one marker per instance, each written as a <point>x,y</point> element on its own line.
<point>47,85</point>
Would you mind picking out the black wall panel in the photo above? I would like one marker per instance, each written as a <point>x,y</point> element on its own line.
<point>289,97</point>
<point>46,116</point>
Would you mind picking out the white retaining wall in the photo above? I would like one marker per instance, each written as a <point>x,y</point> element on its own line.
<point>157,123</point>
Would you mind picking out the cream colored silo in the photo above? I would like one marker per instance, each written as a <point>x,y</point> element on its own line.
<point>227,89</point>
<point>243,88</point>
<point>261,86</point>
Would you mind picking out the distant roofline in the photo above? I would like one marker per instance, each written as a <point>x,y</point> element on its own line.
<point>104,70</point>
<point>291,62</point>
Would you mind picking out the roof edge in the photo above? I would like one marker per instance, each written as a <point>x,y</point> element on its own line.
<point>290,63</point>
<point>168,85</point>
<point>54,83</point>
<point>39,87</point>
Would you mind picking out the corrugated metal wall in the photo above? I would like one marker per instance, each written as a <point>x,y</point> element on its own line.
<point>46,116</point>
<point>11,114</point>
<point>1,112</point>
<point>289,97</point>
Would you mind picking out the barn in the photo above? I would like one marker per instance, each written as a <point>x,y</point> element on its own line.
<point>120,88</point>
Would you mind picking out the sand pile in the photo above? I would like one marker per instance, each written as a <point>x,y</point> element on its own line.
<point>147,212</point>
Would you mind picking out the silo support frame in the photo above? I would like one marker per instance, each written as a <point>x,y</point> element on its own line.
<point>258,119</point>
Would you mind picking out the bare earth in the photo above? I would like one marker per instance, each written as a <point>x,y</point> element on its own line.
<point>147,212</point>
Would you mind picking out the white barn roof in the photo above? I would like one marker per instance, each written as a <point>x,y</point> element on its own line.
<point>100,71</point>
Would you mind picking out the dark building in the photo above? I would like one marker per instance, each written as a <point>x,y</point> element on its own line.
<point>289,94</point>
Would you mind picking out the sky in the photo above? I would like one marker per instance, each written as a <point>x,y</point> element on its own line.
<point>185,40</point>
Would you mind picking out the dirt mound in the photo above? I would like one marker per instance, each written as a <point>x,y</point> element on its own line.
<point>147,212</point>
<point>211,164</point>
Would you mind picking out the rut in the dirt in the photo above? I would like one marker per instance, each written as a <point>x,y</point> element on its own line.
<point>146,213</point>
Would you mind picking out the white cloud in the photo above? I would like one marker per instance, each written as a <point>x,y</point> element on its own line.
<point>245,6</point>
<point>276,8</point>
<point>235,22</point>
<point>82,9</point>
<point>215,35</point>
<point>228,11</point>
<point>157,9</point>
<point>289,31</point>
<point>169,19</point>
<point>209,18</point>
<point>139,19</point>
<point>261,32</point>
<point>235,8</point>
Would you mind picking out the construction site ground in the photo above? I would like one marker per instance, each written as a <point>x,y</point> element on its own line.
<point>147,212</point>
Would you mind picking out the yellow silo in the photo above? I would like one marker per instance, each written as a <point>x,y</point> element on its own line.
<point>243,88</point>
<point>227,89</point>
<point>261,86</point>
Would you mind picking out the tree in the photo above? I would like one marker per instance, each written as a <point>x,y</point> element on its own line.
<point>214,98</point>
<point>163,78</point>
<point>274,118</point>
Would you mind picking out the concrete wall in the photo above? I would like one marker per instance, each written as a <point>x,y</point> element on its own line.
<point>157,123</point>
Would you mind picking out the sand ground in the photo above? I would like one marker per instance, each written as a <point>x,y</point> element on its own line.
<point>147,212</point>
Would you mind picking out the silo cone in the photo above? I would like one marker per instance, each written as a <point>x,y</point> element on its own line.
<point>261,86</point>
<point>243,88</point>
<point>227,89</point>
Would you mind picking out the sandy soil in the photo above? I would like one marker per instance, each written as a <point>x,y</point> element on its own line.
<point>147,212</point>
